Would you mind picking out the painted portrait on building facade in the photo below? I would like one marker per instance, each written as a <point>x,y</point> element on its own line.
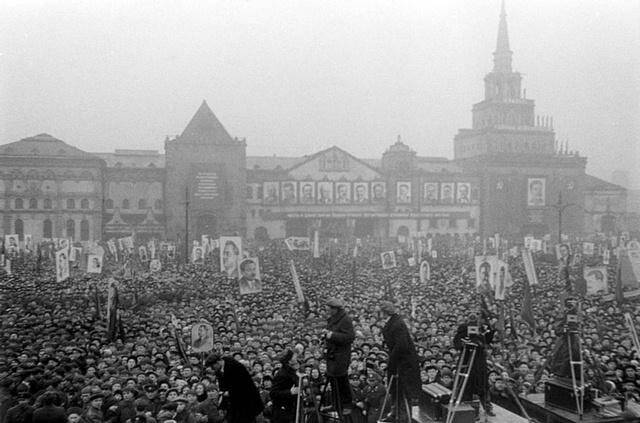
<point>446,192</point>
<point>289,193</point>
<point>307,193</point>
<point>463,193</point>
<point>403,192</point>
<point>360,192</point>
<point>271,192</point>
<point>325,192</point>
<point>430,193</point>
<point>343,193</point>
<point>378,192</point>
<point>536,192</point>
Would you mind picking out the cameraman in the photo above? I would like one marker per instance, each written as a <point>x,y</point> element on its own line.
<point>338,337</point>
<point>480,335</point>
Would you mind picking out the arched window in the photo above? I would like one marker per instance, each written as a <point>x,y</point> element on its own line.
<point>18,227</point>
<point>33,203</point>
<point>142,204</point>
<point>125,204</point>
<point>47,229</point>
<point>158,204</point>
<point>19,204</point>
<point>71,228</point>
<point>47,203</point>
<point>71,203</point>
<point>109,203</point>
<point>84,230</point>
<point>84,204</point>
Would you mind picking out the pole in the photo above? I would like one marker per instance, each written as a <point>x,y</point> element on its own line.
<point>560,217</point>
<point>186,225</point>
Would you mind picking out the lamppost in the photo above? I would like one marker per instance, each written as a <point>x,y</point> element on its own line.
<point>561,206</point>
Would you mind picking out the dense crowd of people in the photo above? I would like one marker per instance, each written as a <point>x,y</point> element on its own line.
<point>58,363</point>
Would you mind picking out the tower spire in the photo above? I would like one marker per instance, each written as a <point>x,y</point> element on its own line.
<point>502,55</point>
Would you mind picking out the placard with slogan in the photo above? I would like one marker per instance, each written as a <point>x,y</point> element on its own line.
<point>206,185</point>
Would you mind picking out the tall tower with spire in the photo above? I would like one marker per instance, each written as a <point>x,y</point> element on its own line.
<point>504,122</point>
<point>510,147</point>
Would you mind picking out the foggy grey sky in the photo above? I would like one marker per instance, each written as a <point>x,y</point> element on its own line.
<point>297,76</point>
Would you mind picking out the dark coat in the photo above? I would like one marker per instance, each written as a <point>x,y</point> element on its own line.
<point>284,403</point>
<point>244,399</point>
<point>21,413</point>
<point>477,383</point>
<point>339,345</point>
<point>403,358</point>
<point>49,414</point>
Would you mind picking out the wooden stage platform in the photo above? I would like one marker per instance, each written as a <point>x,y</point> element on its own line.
<point>502,415</point>
<point>539,411</point>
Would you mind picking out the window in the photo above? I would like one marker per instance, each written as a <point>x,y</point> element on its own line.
<point>142,204</point>
<point>33,203</point>
<point>19,227</point>
<point>125,204</point>
<point>84,230</point>
<point>471,223</point>
<point>71,203</point>
<point>84,204</point>
<point>47,229</point>
<point>158,204</point>
<point>71,228</point>
<point>47,203</point>
<point>19,203</point>
<point>109,203</point>
<point>453,223</point>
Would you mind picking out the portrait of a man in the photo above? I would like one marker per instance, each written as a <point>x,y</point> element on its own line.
<point>325,192</point>
<point>197,255</point>
<point>271,192</point>
<point>94,263</point>
<point>430,192</point>
<point>563,251</point>
<point>360,192</point>
<point>62,265</point>
<point>388,259</point>
<point>11,244</point>
<point>249,281</point>
<point>378,192</point>
<point>596,280</point>
<point>403,195</point>
<point>230,253</point>
<point>446,193</point>
<point>202,337</point>
<point>536,192</point>
<point>307,193</point>
<point>463,193</point>
<point>343,193</point>
<point>289,193</point>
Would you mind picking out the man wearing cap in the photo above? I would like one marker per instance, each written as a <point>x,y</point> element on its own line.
<point>93,413</point>
<point>402,362</point>
<point>338,336</point>
<point>284,392</point>
<point>244,401</point>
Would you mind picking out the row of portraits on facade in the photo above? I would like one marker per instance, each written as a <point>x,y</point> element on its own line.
<point>329,192</point>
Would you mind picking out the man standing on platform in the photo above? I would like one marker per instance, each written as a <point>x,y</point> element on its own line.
<point>338,336</point>
<point>403,362</point>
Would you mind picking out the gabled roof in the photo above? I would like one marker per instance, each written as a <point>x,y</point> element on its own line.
<point>44,145</point>
<point>272,162</point>
<point>205,127</point>
<point>319,153</point>
<point>596,184</point>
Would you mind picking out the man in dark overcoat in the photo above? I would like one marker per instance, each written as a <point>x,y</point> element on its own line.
<point>243,398</point>
<point>403,361</point>
<point>480,336</point>
<point>284,392</point>
<point>339,335</point>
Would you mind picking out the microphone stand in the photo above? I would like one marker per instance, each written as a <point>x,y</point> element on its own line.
<point>300,376</point>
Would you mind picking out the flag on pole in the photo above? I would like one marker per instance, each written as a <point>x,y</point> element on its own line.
<point>112,311</point>
<point>529,267</point>
<point>316,244</point>
<point>619,292</point>
<point>527,308</point>
<point>296,282</point>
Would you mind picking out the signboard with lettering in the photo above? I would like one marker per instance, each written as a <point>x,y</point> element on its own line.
<point>206,186</point>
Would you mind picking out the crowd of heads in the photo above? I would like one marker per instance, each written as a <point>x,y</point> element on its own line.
<point>56,348</point>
